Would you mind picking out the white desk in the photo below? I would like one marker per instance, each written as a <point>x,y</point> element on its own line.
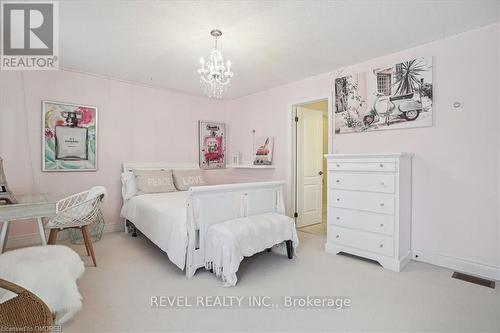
<point>33,206</point>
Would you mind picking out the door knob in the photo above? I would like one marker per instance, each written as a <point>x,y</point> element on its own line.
<point>320,173</point>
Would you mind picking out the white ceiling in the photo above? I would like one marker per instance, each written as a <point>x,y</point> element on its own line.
<point>270,43</point>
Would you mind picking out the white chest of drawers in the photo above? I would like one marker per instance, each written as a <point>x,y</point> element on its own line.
<point>369,207</point>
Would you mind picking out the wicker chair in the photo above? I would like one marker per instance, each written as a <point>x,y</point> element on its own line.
<point>77,211</point>
<point>25,312</point>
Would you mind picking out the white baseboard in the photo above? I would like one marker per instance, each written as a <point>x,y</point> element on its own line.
<point>34,239</point>
<point>457,264</point>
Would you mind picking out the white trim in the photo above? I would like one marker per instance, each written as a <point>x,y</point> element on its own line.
<point>290,154</point>
<point>34,239</point>
<point>129,166</point>
<point>457,264</point>
<point>370,155</point>
<point>249,166</point>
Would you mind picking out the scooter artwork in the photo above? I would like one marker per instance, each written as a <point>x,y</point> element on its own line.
<point>397,96</point>
<point>397,107</point>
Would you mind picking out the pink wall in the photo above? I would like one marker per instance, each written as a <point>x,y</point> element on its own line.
<point>456,165</point>
<point>136,123</point>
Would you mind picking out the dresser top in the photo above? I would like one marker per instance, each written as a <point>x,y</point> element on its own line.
<point>371,155</point>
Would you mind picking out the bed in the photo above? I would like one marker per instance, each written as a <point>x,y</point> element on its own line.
<point>177,222</point>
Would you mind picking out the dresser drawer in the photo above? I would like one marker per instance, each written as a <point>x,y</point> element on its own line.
<point>356,219</point>
<point>363,166</point>
<point>361,240</point>
<point>368,201</point>
<point>377,182</point>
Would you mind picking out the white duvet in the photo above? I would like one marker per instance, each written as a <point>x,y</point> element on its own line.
<point>161,217</point>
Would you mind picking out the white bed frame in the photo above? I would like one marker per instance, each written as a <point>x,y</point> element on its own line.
<point>218,203</point>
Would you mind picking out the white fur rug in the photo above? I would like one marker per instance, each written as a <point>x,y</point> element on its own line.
<point>50,272</point>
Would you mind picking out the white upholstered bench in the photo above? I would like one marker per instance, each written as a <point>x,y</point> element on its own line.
<point>227,243</point>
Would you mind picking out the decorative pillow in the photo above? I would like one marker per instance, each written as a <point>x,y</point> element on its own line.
<point>184,179</point>
<point>154,181</point>
<point>128,185</point>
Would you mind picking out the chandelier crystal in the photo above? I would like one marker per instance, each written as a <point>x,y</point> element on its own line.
<point>214,74</point>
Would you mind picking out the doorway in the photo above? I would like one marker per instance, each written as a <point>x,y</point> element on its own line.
<point>310,144</point>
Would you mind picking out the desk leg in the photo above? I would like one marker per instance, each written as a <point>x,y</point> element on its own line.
<point>41,231</point>
<point>3,235</point>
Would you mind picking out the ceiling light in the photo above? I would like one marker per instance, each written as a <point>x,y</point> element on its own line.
<point>214,74</point>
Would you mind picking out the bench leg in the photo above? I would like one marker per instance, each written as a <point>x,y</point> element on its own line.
<point>289,249</point>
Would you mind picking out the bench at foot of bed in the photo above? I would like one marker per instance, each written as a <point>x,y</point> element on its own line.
<point>227,243</point>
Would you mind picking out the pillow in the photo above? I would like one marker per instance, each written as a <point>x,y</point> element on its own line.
<point>184,179</point>
<point>154,181</point>
<point>128,185</point>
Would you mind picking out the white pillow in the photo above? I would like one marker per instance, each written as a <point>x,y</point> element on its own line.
<point>184,179</point>
<point>129,189</point>
<point>154,181</point>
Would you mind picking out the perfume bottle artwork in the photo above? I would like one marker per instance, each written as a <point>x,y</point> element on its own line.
<point>212,145</point>
<point>71,140</point>
<point>69,137</point>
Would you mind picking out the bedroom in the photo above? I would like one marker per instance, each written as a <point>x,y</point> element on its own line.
<point>416,180</point>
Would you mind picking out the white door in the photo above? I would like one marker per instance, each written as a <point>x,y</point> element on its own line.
<point>309,166</point>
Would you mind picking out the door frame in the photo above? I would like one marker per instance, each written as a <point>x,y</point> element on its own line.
<point>292,146</point>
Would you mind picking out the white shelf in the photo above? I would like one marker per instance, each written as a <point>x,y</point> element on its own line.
<point>251,166</point>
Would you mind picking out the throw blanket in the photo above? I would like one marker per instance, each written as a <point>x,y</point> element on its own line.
<point>228,242</point>
<point>50,272</point>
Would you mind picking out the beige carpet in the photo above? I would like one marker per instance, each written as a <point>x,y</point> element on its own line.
<point>315,229</point>
<point>116,295</point>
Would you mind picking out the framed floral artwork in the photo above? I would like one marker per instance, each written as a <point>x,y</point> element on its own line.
<point>69,137</point>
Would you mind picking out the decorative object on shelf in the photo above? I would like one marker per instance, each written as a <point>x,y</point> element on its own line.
<point>69,137</point>
<point>236,159</point>
<point>6,196</point>
<point>212,138</point>
<point>264,150</point>
<point>393,97</point>
<point>214,74</point>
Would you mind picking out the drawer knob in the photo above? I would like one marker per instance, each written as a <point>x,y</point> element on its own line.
<point>338,165</point>
<point>338,181</point>
<point>338,199</point>
<point>381,225</point>
<point>381,165</point>
<point>338,217</point>
<point>337,236</point>
<point>382,204</point>
<point>382,184</point>
<point>381,245</point>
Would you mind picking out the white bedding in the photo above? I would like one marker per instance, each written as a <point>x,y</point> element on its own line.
<point>162,217</point>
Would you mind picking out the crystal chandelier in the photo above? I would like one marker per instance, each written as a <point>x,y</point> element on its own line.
<point>214,74</point>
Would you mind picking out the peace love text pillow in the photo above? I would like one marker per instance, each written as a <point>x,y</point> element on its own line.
<point>184,179</point>
<point>154,181</point>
